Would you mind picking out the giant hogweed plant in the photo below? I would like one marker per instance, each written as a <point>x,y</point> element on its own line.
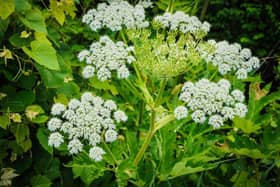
<point>172,101</point>
<point>158,101</point>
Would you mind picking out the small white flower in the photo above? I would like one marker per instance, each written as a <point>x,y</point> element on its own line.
<point>120,116</point>
<point>228,113</point>
<point>245,53</point>
<point>216,121</point>
<point>255,62</point>
<point>241,74</point>
<point>238,95</point>
<point>83,54</point>
<point>111,135</point>
<point>240,110</point>
<point>75,146</point>
<point>96,153</point>
<point>110,104</point>
<point>57,109</point>
<point>94,139</point>
<point>103,74</point>
<point>225,84</point>
<point>123,72</point>
<point>87,97</point>
<point>74,104</point>
<point>54,124</point>
<point>180,112</point>
<point>224,69</point>
<point>198,116</point>
<point>55,139</point>
<point>88,72</point>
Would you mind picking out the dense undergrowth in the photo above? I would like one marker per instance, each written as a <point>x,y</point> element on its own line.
<point>41,64</point>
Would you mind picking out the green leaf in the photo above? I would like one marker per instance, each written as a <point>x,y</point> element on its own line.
<point>7,7</point>
<point>18,102</point>
<point>21,133</point>
<point>40,119</point>
<point>35,20</point>
<point>4,121</point>
<point>61,8</point>
<point>42,136</point>
<point>21,5</point>
<point>105,85</point>
<point>181,168</point>
<point>53,78</point>
<point>18,41</point>
<point>247,126</point>
<point>3,27</point>
<point>69,89</point>
<point>42,52</point>
<point>40,181</point>
<point>125,171</point>
<point>87,169</point>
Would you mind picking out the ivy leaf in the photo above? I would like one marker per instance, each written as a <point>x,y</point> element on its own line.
<point>42,136</point>
<point>35,20</point>
<point>42,52</point>
<point>7,8</point>
<point>40,181</point>
<point>4,121</point>
<point>54,78</point>
<point>21,5</point>
<point>61,8</point>
<point>21,132</point>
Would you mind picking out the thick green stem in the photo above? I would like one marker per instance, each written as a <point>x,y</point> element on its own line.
<point>152,124</point>
<point>147,140</point>
<point>123,36</point>
<point>110,153</point>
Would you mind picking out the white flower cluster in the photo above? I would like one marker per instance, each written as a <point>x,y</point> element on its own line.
<point>182,22</point>
<point>115,15</point>
<point>211,101</point>
<point>86,121</point>
<point>105,56</point>
<point>232,58</point>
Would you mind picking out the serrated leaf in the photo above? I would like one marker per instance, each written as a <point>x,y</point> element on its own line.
<point>87,169</point>
<point>42,136</point>
<point>105,85</point>
<point>42,52</point>
<point>40,181</point>
<point>247,126</point>
<point>35,20</point>
<point>7,7</point>
<point>125,171</point>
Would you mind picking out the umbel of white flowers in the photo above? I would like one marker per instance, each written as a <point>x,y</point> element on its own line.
<point>105,56</point>
<point>232,58</point>
<point>90,120</point>
<point>211,102</point>
<point>115,15</point>
<point>179,21</point>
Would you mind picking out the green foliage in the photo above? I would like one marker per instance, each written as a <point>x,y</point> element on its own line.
<point>174,5</point>
<point>38,66</point>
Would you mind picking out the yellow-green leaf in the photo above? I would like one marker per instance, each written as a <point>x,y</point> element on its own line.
<point>7,7</point>
<point>42,52</point>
